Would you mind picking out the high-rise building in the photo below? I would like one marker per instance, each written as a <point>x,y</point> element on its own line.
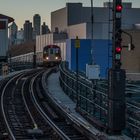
<point>45,29</point>
<point>28,31</point>
<point>20,36</point>
<point>36,24</point>
<point>12,33</point>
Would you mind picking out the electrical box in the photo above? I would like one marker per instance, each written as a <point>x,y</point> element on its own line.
<point>93,71</point>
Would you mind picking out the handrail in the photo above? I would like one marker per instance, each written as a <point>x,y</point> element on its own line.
<point>93,98</point>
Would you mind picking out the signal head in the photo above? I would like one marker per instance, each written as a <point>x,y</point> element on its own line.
<point>119,8</point>
<point>118,49</point>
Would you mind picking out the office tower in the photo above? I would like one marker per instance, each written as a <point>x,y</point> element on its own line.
<point>13,33</point>
<point>20,36</point>
<point>36,24</point>
<point>44,29</point>
<point>28,31</point>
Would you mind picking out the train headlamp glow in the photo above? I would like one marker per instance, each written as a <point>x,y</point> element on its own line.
<point>47,58</point>
<point>56,57</point>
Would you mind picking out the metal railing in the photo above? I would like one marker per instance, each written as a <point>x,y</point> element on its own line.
<point>92,100</point>
<point>20,66</point>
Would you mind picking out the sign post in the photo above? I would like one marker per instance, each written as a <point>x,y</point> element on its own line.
<point>77,46</point>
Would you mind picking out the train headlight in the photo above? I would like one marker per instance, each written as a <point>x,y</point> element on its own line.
<point>47,58</point>
<point>56,57</point>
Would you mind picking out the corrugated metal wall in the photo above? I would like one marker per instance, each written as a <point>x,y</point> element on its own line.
<point>101,55</point>
<point>43,40</point>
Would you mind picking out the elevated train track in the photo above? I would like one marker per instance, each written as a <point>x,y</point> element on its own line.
<point>22,108</point>
<point>27,115</point>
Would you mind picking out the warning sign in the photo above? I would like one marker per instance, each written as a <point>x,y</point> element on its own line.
<point>77,42</point>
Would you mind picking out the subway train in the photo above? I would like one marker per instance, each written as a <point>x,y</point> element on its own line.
<point>50,56</point>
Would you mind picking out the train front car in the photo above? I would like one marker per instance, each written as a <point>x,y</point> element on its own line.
<point>51,55</point>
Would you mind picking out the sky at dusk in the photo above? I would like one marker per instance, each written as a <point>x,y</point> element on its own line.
<point>22,10</point>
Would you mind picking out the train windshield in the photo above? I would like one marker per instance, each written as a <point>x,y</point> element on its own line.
<point>51,51</point>
<point>57,51</point>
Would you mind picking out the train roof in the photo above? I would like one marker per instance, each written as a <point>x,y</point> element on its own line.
<point>51,46</point>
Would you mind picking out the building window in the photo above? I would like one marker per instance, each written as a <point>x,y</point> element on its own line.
<point>2,25</point>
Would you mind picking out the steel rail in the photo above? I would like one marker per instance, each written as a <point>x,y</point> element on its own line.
<point>25,103</point>
<point>91,131</point>
<point>2,106</point>
<point>43,114</point>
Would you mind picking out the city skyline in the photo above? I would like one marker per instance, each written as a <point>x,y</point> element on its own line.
<point>25,10</point>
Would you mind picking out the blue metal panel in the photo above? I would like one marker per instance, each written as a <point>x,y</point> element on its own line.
<point>101,55</point>
<point>84,53</point>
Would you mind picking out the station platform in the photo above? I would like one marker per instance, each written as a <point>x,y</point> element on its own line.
<point>68,106</point>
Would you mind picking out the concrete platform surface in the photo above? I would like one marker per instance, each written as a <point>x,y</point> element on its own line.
<point>62,100</point>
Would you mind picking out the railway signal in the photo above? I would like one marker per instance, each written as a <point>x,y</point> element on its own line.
<point>119,7</point>
<point>116,77</point>
<point>117,33</point>
<point>118,56</point>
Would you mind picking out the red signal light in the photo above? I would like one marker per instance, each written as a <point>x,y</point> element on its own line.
<point>119,8</point>
<point>118,49</point>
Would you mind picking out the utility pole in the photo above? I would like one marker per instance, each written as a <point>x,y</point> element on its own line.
<point>92,19</point>
<point>34,57</point>
<point>116,77</point>
<point>77,46</point>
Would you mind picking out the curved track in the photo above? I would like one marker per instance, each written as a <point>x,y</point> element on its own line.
<point>27,114</point>
<point>17,113</point>
<point>65,129</point>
